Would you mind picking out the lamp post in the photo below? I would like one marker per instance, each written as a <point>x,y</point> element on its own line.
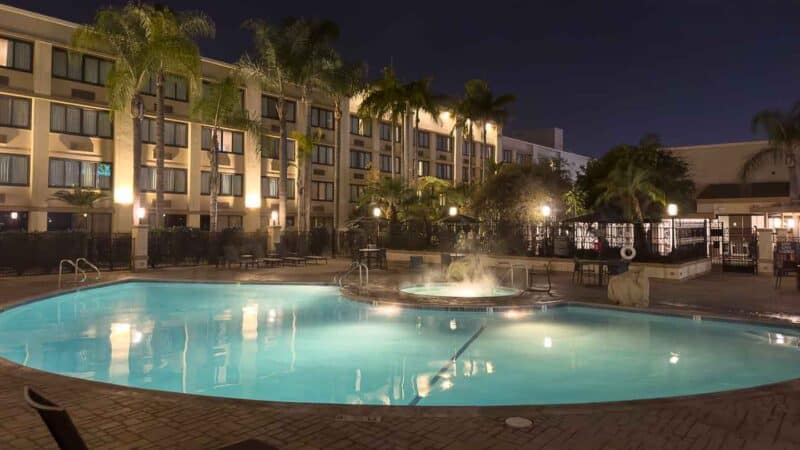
<point>546,211</point>
<point>672,211</point>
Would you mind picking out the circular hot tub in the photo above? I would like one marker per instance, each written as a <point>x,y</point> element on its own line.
<point>459,290</point>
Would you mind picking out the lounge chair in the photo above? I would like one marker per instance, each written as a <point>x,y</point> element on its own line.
<point>295,260</point>
<point>316,259</point>
<point>57,420</point>
<point>268,260</point>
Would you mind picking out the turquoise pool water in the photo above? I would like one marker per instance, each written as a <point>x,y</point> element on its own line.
<point>459,290</point>
<point>309,344</point>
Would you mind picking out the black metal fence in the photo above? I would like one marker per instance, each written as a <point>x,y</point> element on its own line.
<point>23,253</point>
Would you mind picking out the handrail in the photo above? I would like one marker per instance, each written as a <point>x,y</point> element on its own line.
<point>73,264</point>
<point>86,261</point>
<point>339,278</point>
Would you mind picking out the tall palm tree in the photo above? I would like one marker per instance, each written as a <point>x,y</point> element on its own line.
<point>629,186</point>
<point>342,81</point>
<point>783,133</point>
<point>221,106</point>
<point>420,99</point>
<point>84,200</point>
<point>488,109</point>
<point>150,43</point>
<point>387,96</point>
<point>465,114</point>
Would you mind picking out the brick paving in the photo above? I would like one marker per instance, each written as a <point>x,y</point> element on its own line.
<point>116,417</point>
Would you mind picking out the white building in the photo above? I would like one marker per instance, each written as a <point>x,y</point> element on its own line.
<point>542,145</point>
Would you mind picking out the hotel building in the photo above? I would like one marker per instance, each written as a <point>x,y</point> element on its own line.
<point>57,133</point>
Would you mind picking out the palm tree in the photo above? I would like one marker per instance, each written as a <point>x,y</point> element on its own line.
<point>84,200</point>
<point>783,133</point>
<point>221,106</point>
<point>574,202</point>
<point>628,186</point>
<point>420,99</point>
<point>149,43</point>
<point>387,96</point>
<point>465,115</point>
<point>342,81</point>
<point>487,109</point>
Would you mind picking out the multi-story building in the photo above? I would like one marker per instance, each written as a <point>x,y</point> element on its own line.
<point>57,133</point>
<point>542,145</point>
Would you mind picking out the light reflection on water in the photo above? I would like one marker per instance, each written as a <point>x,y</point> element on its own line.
<point>306,343</point>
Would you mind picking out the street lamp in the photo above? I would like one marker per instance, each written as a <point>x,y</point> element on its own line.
<point>376,212</point>
<point>672,211</point>
<point>14,215</point>
<point>453,211</point>
<point>546,210</point>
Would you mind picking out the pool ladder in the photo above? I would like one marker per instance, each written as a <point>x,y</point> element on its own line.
<point>78,271</point>
<point>362,281</point>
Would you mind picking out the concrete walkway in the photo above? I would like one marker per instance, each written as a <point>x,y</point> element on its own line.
<point>115,417</point>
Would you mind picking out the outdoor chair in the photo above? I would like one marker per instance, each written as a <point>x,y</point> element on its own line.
<point>231,256</point>
<point>295,260</point>
<point>782,268</point>
<point>260,256</point>
<point>57,420</point>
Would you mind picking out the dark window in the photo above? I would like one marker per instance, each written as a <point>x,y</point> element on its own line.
<point>386,132</point>
<point>356,190</point>
<point>223,222</point>
<point>322,191</point>
<point>423,139</point>
<point>175,133</point>
<point>423,168</point>
<point>269,108</point>
<point>386,164</point>
<point>80,121</point>
<point>321,118</point>
<point>13,221</point>
<point>269,187</point>
<point>14,170</point>
<point>322,154</point>
<point>15,112</point>
<point>444,143</point>
<point>174,180</point>
<point>444,171</point>
<point>360,127</point>
<point>270,147</point>
<point>465,174</point>
<point>229,141</point>
<point>507,156</point>
<point>290,190</point>
<point>487,151</point>
<point>360,160</point>
<point>83,68</point>
<point>229,184</point>
<point>76,173</point>
<point>16,54</point>
<point>175,88</point>
<point>469,149</point>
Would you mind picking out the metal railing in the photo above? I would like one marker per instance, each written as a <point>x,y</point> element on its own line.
<point>362,281</point>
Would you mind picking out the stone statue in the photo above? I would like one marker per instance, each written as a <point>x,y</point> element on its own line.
<point>631,288</point>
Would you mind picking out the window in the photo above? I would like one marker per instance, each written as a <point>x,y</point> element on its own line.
<point>76,173</point>
<point>290,190</point>
<point>444,171</point>
<point>14,170</point>
<point>269,108</point>
<point>465,174</point>
<point>423,139</point>
<point>230,141</point>
<point>386,132</point>
<point>386,164</point>
<point>487,151</point>
<point>83,68</point>
<point>322,191</point>
<point>469,148</point>
<point>175,88</point>
<point>360,160</point>
<point>207,85</point>
<point>269,187</point>
<point>229,184</point>
<point>174,180</point>
<point>507,156</point>
<point>360,127</point>
<point>356,191</point>
<point>321,118</point>
<point>223,222</point>
<point>444,143</point>
<point>80,121</point>
<point>423,168</point>
<point>16,54</point>
<point>175,133</point>
<point>270,147</point>
<point>322,154</point>
<point>15,112</point>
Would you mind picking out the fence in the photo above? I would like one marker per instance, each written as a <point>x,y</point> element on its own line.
<point>24,253</point>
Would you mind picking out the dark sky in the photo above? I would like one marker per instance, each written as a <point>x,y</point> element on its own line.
<point>605,71</point>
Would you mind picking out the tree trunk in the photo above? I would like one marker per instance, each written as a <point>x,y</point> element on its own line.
<point>472,154</point>
<point>284,161</point>
<point>394,131</point>
<point>303,175</point>
<point>137,113</point>
<point>214,182</point>
<point>483,159</point>
<point>413,174</point>
<point>337,144</point>
<point>794,175</point>
<point>159,215</point>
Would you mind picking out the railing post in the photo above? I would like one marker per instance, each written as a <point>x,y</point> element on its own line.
<point>139,236</point>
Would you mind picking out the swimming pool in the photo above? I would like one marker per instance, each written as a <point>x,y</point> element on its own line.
<point>459,290</point>
<point>309,344</point>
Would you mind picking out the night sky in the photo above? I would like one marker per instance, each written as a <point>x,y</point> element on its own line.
<point>694,72</point>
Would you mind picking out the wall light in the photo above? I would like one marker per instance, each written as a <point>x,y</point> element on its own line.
<point>14,215</point>
<point>123,196</point>
<point>141,213</point>
<point>446,115</point>
<point>252,201</point>
<point>274,217</point>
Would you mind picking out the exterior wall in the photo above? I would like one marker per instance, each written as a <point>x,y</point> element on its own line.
<point>40,144</point>
<point>574,163</point>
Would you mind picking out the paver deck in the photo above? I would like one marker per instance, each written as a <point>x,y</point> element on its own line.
<point>116,417</point>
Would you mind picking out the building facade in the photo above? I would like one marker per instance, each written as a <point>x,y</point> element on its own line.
<point>57,133</point>
<point>542,145</point>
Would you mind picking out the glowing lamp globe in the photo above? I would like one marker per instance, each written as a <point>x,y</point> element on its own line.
<point>672,210</point>
<point>376,212</point>
<point>453,211</point>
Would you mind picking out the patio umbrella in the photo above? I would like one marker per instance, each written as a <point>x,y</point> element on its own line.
<point>360,222</point>
<point>459,219</point>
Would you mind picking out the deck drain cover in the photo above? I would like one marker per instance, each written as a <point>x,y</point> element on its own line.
<point>519,422</point>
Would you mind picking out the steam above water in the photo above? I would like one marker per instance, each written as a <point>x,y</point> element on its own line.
<point>466,277</point>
